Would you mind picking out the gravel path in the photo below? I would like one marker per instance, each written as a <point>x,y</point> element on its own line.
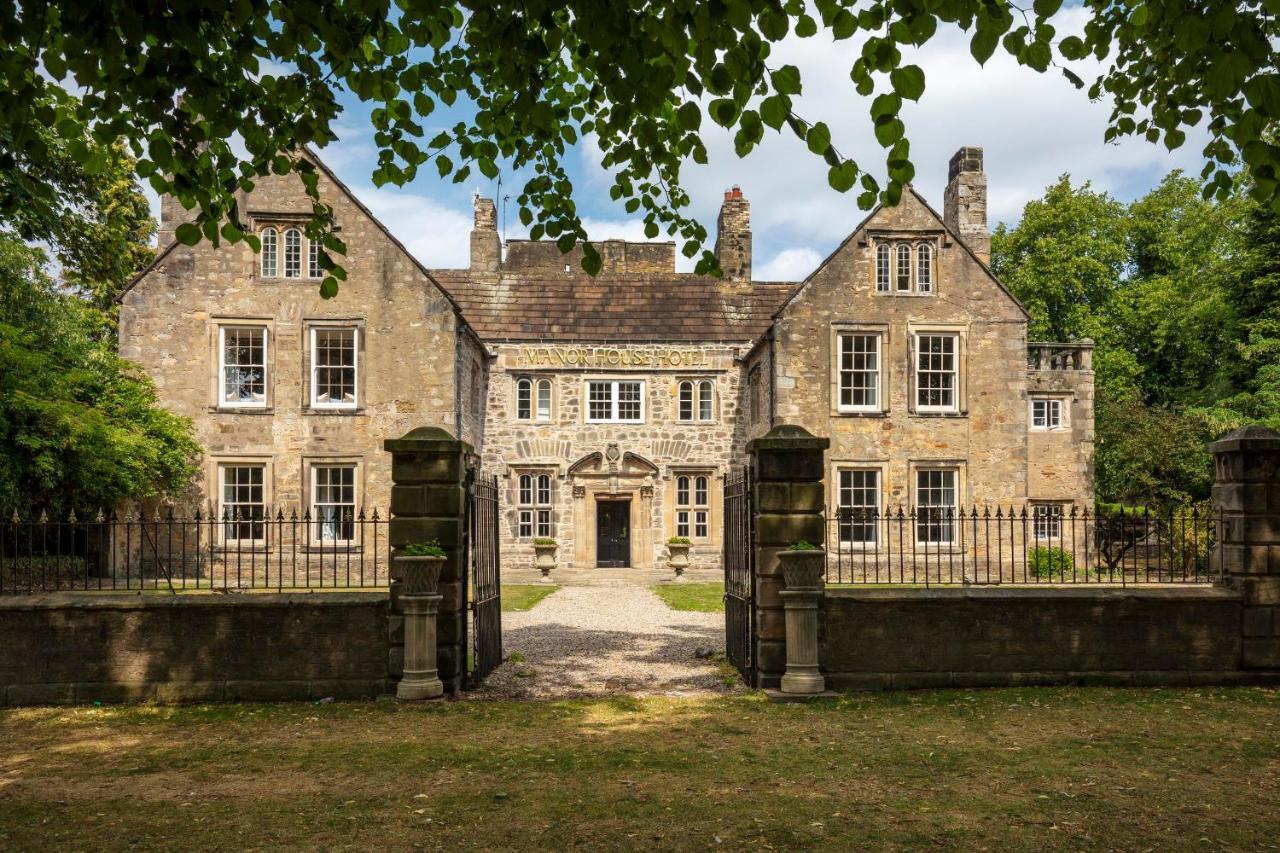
<point>604,641</point>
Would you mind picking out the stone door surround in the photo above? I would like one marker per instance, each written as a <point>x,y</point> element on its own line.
<point>611,475</point>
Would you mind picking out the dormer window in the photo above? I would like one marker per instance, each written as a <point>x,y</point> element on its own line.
<point>292,253</point>
<point>270,252</point>
<point>904,266</point>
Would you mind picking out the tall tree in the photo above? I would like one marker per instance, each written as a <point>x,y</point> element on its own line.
<point>541,74</point>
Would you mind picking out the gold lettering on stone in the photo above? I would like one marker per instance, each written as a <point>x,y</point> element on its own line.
<point>608,357</point>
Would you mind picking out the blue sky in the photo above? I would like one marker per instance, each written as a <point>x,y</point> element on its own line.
<point>1032,126</point>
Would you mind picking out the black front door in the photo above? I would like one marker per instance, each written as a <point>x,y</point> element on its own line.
<point>613,534</point>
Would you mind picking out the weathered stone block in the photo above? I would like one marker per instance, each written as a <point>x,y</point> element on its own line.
<point>1258,621</point>
<point>447,532</point>
<point>428,500</point>
<point>777,529</point>
<point>419,468</point>
<point>1262,653</point>
<point>40,694</point>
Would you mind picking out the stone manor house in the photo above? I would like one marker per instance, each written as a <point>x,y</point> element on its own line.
<point>612,408</point>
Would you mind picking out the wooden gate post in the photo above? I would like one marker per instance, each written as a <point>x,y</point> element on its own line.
<point>1246,492</point>
<point>428,503</point>
<point>790,506</point>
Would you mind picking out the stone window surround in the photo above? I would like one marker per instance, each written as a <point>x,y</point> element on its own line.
<point>934,238</point>
<point>960,466</point>
<point>696,381</point>
<point>961,332</point>
<point>714,486</point>
<point>309,461</point>
<point>214,465</point>
<point>281,222</point>
<point>839,327</point>
<point>1064,400</point>
<point>514,473</point>
<point>1064,507</point>
<point>534,379</point>
<point>309,406</point>
<point>881,467</point>
<point>586,397</point>
<point>216,324</point>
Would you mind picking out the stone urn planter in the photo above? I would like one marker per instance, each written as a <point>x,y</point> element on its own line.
<point>419,567</point>
<point>678,555</point>
<point>803,567</point>
<point>545,559</point>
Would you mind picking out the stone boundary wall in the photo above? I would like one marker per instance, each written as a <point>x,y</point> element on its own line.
<point>912,638</point>
<point>80,648</point>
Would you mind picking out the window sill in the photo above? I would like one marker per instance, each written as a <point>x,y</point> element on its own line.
<point>838,413</point>
<point>336,410</point>
<point>280,279</point>
<point>317,548</point>
<point>905,293</point>
<point>1050,430</point>
<point>919,414</point>
<point>243,410</point>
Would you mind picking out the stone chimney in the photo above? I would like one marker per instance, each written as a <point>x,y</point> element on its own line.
<point>964,206</point>
<point>172,214</point>
<point>733,235</point>
<point>486,247</point>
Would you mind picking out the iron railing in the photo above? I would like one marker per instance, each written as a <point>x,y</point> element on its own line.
<point>1021,545</point>
<point>267,549</point>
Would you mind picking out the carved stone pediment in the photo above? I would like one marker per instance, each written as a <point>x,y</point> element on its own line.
<point>625,464</point>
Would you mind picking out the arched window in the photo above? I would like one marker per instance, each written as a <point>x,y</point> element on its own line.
<point>534,506</point>
<point>293,253</point>
<point>686,401</point>
<point>693,508</point>
<point>904,267</point>
<point>314,269</point>
<point>882,267</point>
<point>544,399</point>
<point>524,399</point>
<point>270,248</point>
<point>924,268</point>
<point>705,400</point>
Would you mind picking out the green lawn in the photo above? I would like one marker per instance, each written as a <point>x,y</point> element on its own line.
<point>523,596</point>
<point>1087,768</point>
<point>702,597</point>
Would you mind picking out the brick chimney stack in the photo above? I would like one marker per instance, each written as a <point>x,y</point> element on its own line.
<point>486,246</point>
<point>733,235</point>
<point>964,206</point>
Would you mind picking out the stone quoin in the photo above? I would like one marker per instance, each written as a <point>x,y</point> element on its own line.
<point>612,407</point>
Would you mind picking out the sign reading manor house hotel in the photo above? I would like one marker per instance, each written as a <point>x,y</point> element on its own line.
<point>612,408</point>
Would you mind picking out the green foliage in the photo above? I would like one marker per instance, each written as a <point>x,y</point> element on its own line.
<point>1179,294</point>
<point>423,549</point>
<point>258,79</point>
<point>803,545</point>
<point>1050,563</point>
<point>79,427</point>
<point>544,540</point>
<point>678,540</point>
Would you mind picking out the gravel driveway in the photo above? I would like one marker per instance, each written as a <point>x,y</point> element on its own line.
<point>603,641</point>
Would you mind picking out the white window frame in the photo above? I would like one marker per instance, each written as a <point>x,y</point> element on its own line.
<point>918,372</point>
<point>224,505</point>
<point>541,413</point>
<point>614,386</point>
<point>535,500</point>
<point>685,402</point>
<point>223,402</point>
<point>706,401</point>
<point>1050,404</point>
<point>316,402</point>
<point>946,524</point>
<point>314,270</point>
<point>524,398</point>
<point>902,276</point>
<point>693,505</point>
<point>847,335</point>
<point>1046,522</point>
<point>696,401</point>
<point>845,491</point>
<point>924,267</point>
<point>884,268</point>
<point>316,535</point>
<point>269,256</point>
<point>296,254</point>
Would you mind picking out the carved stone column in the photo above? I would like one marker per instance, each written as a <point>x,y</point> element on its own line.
<point>802,573</point>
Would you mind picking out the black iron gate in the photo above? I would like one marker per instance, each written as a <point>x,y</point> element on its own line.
<point>482,583</point>
<point>740,575</point>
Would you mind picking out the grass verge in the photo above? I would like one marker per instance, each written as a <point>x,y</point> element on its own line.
<point>1080,768</point>
<point>700,597</point>
<point>524,596</point>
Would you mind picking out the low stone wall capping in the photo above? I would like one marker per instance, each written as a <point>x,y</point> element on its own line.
<point>85,647</point>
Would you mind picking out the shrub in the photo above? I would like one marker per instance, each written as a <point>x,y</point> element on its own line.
<point>803,545</point>
<point>678,540</point>
<point>544,540</point>
<point>423,549</point>
<point>1048,563</point>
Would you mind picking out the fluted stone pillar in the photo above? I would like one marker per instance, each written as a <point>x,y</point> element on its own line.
<point>802,597</point>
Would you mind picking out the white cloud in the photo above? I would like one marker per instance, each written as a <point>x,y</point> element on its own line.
<point>436,234</point>
<point>787,265</point>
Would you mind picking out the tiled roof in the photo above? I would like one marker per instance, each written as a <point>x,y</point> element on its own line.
<point>544,305</point>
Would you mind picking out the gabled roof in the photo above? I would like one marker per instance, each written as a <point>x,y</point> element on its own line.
<point>345,190</point>
<point>863,224</point>
<point>542,304</point>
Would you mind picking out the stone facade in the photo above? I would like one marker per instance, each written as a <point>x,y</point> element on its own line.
<point>449,348</point>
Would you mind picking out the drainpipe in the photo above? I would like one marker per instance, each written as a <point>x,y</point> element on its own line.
<point>773,376</point>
